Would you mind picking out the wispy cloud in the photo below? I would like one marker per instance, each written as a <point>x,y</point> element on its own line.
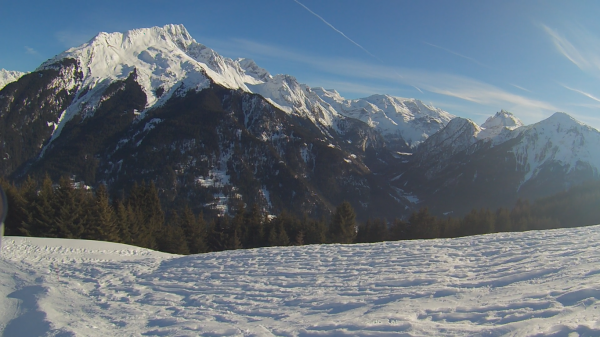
<point>337,30</point>
<point>421,91</point>
<point>353,87</point>
<point>474,91</point>
<point>582,92</point>
<point>32,51</point>
<point>392,78</point>
<point>583,49</point>
<point>456,54</point>
<point>519,87</point>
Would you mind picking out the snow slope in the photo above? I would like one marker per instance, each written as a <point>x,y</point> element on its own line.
<point>513,284</point>
<point>7,76</point>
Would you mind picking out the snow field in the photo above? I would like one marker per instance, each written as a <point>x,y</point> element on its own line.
<point>513,284</point>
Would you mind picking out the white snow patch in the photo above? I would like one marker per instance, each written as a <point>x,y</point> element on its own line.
<point>9,76</point>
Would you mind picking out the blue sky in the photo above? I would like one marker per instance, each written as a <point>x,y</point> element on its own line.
<point>470,58</point>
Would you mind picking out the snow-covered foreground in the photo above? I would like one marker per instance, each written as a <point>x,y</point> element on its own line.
<point>515,284</point>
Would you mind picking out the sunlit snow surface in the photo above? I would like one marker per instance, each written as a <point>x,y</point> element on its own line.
<point>519,284</point>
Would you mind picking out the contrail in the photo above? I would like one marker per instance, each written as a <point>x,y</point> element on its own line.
<point>455,53</point>
<point>337,30</point>
<point>582,92</point>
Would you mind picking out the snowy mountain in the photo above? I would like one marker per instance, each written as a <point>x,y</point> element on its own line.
<point>537,283</point>
<point>8,76</point>
<point>498,127</point>
<point>558,140</point>
<point>167,60</point>
<point>397,119</point>
<point>155,104</point>
<point>457,136</point>
<point>501,161</point>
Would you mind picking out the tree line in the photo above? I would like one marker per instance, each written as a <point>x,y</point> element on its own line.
<point>68,210</point>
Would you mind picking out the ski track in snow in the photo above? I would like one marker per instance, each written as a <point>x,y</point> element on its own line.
<point>513,284</point>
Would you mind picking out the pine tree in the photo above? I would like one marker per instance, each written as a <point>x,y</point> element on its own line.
<point>343,224</point>
<point>299,240</point>
<point>103,223</point>
<point>282,237</point>
<point>423,225</point>
<point>254,227</point>
<point>194,230</point>
<point>217,236</point>
<point>154,214</point>
<point>25,208</point>
<point>43,212</point>
<point>238,225</point>
<point>234,241</point>
<point>146,215</point>
<point>172,237</point>
<point>72,209</point>
<point>373,231</point>
<point>399,230</point>
<point>123,223</point>
<point>135,219</point>
<point>315,231</point>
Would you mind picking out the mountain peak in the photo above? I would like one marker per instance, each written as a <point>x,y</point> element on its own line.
<point>8,76</point>
<point>499,124</point>
<point>562,118</point>
<point>502,119</point>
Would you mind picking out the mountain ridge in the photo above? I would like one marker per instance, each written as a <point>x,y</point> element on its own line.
<point>155,104</point>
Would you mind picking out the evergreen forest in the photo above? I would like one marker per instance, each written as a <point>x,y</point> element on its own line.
<point>65,209</point>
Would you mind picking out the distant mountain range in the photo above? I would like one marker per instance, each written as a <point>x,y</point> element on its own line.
<point>210,131</point>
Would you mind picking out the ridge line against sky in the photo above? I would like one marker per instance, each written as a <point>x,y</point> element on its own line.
<point>470,58</point>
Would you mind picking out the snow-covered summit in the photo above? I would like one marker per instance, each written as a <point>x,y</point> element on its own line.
<point>168,60</point>
<point>164,57</point>
<point>408,118</point>
<point>499,124</point>
<point>502,119</point>
<point>560,139</point>
<point>8,76</point>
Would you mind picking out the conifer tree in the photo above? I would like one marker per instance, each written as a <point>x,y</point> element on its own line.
<point>194,230</point>
<point>123,223</point>
<point>172,237</point>
<point>135,220</point>
<point>237,224</point>
<point>299,240</point>
<point>343,224</point>
<point>315,231</point>
<point>217,236</point>
<point>72,209</point>
<point>503,223</point>
<point>234,241</point>
<point>399,230</point>
<point>423,225</point>
<point>43,212</point>
<point>254,227</point>
<point>103,223</point>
